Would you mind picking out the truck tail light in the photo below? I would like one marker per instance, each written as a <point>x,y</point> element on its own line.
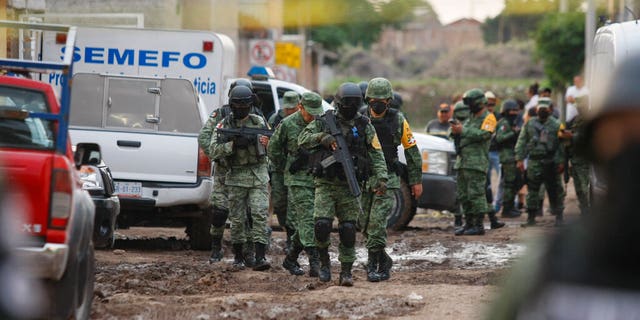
<point>204,164</point>
<point>61,188</point>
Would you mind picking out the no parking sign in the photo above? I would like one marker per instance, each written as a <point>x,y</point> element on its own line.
<point>261,52</point>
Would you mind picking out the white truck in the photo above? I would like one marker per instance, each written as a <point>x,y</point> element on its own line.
<point>143,96</point>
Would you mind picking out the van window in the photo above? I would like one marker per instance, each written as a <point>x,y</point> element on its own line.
<point>87,98</point>
<point>17,129</point>
<point>179,107</point>
<point>130,103</point>
<point>263,90</point>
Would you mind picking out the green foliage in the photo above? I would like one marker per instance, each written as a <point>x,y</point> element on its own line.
<point>560,45</point>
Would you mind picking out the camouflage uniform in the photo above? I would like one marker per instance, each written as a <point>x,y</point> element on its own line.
<point>284,152</point>
<point>392,130</point>
<point>506,138</point>
<point>579,169</point>
<point>332,196</point>
<point>540,142</point>
<point>246,181</point>
<point>472,165</point>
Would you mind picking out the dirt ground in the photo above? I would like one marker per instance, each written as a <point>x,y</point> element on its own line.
<point>151,274</point>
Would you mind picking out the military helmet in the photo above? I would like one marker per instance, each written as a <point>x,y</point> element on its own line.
<point>348,95</point>
<point>460,106</point>
<point>363,88</point>
<point>396,102</point>
<point>379,88</point>
<point>509,105</point>
<point>474,97</point>
<point>241,95</point>
<point>461,111</point>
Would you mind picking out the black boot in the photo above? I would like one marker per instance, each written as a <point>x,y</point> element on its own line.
<point>249,254</point>
<point>346,280</point>
<point>289,241</point>
<point>468,224</point>
<point>261,262</point>
<point>372,266</point>
<point>458,220</point>
<point>325,265</point>
<point>216,250</point>
<point>314,261</point>
<point>238,258</point>
<point>510,212</point>
<point>384,269</point>
<point>477,229</point>
<point>291,260</point>
<point>531,218</point>
<point>495,224</point>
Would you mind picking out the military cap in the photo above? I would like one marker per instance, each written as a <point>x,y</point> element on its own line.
<point>290,100</point>
<point>312,103</point>
<point>544,102</point>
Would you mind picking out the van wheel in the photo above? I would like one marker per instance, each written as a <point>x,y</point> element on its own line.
<point>403,210</point>
<point>198,231</point>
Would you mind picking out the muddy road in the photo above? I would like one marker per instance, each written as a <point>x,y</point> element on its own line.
<point>151,274</point>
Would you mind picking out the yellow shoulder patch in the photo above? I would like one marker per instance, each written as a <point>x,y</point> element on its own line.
<point>562,127</point>
<point>375,143</point>
<point>489,123</point>
<point>407,136</point>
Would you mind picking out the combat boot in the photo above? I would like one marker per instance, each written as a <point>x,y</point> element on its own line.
<point>531,218</point>
<point>249,254</point>
<point>384,269</point>
<point>314,261</point>
<point>290,262</point>
<point>510,212</point>
<point>495,224</point>
<point>325,265</point>
<point>346,280</point>
<point>238,258</point>
<point>468,224</point>
<point>372,266</point>
<point>261,262</point>
<point>216,250</point>
<point>477,229</point>
<point>458,221</point>
<point>289,241</point>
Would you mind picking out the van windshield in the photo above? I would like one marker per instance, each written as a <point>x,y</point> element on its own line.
<point>17,128</point>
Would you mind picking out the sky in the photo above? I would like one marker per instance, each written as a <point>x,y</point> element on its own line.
<point>452,10</point>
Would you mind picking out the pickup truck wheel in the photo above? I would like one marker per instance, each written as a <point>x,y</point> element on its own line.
<point>198,232</point>
<point>72,295</point>
<point>83,309</point>
<point>403,210</point>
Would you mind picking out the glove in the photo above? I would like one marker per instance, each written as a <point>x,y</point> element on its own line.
<point>381,187</point>
<point>327,140</point>
<point>241,142</point>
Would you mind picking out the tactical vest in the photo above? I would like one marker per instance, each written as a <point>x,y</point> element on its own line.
<point>387,131</point>
<point>356,139</point>
<point>544,143</point>
<point>250,155</point>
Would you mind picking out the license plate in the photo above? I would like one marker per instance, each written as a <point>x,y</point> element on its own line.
<point>128,189</point>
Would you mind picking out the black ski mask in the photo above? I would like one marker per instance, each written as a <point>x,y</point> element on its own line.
<point>347,112</point>
<point>543,113</point>
<point>240,112</point>
<point>378,106</point>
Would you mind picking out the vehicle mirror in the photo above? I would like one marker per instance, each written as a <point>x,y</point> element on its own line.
<point>87,153</point>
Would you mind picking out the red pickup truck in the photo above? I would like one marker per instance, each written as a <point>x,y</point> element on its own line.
<point>42,175</point>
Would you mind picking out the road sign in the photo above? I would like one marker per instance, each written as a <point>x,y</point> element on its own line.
<point>262,52</point>
<point>288,54</point>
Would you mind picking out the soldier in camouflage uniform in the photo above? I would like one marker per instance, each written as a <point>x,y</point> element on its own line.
<point>473,162</point>
<point>247,177</point>
<point>294,161</point>
<point>579,165</point>
<point>539,141</point>
<point>506,138</point>
<point>392,130</point>
<point>279,202</point>
<point>218,197</point>
<point>460,114</point>
<point>333,196</point>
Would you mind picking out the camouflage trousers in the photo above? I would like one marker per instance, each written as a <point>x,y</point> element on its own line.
<point>512,182</point>
<point>580,174</point>
<point>538,174</point>
<point>248,199</point>
<point>279,200</point>
<point>301,214</point>
<point>373,218</point>
<point>218,198</point>
<point>336,201</point>
<point>471,193</point>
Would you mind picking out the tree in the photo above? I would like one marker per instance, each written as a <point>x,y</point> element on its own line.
<point>560,45</point>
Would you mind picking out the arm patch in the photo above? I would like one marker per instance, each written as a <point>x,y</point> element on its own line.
<point>489,123</point>
<point>408,140</point>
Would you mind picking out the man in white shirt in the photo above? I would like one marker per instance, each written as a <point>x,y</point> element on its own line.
<point>575,91</point>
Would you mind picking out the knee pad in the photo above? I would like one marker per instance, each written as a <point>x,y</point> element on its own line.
<point>219,216</point>
<point>347,231</point>
<point>322,229</point>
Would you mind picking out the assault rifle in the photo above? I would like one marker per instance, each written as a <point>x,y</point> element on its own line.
<point>341,154</point>
<point>228,134</point>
